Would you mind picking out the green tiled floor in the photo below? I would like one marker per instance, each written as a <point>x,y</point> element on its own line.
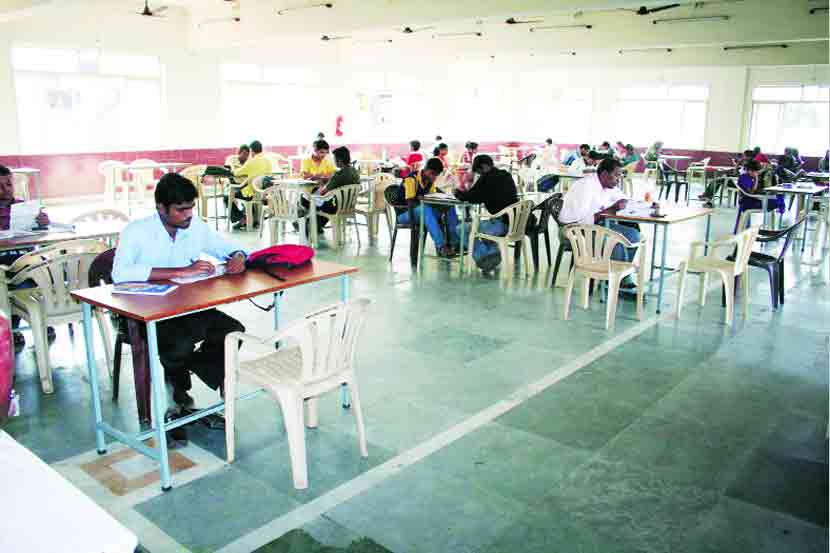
<point>690,437</point>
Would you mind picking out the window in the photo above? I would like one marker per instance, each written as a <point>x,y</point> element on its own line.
<point>270,103</point>
<point>797,116</point>
<point>675,115</point>
<point>563,114</point>
<point>86,101</point>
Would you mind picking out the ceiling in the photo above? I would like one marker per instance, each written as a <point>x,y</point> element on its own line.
<point>375,27</point>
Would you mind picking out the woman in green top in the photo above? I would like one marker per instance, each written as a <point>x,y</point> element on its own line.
<point>630,155</point>
<point>653,153</point>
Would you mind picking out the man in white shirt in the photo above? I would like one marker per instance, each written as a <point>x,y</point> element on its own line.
<point>595,194</point>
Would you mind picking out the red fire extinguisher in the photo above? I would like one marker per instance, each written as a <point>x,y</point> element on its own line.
<point>338,126</point>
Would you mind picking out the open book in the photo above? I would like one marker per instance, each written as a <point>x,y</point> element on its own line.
<point>143,288</point>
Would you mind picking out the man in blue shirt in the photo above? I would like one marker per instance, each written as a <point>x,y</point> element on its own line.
<point>168,245</point>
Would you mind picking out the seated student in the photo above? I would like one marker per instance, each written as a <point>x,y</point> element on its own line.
<point>167,245</point>
<point>10,256</point>
<point>759,156</point>
<point>598,193</point>
<point>741,162</point>
<point>654,151</point>
<point>344,176</point>
<point>605,149</point>
<point>318,167</point>
<point>441,151</point>
<point>549,156</point>
<point>824,163</point>
<point>629,156</point>
<point>584,150</point>
<point>620,150</point>
<point>416,186</point>
<point>415,159</point>
<point>255,166</point>
<point>438,141</point>
<point>790,165</point>
<point>750,181</point>
<point>242,155</point>
<point>495,189</point>
<point>469,153</point>
<point>586,162</point>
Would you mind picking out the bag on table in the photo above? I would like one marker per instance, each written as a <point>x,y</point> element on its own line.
<point>282,256</point>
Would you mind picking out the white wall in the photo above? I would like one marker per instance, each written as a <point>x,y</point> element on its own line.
<point>192,88</point>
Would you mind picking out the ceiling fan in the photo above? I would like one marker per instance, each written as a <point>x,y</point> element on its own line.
<point>411,30</point>
<point>643,10</point>
<point>147,12</point>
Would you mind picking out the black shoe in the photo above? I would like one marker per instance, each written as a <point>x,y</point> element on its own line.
<point>182,398</point>
<point>19,341</point>
<point>628,284</point>
<point>489,262</point>
<point>178,436</point>
<point>50,334</point>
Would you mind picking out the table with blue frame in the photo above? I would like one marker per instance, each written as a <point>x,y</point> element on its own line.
<point>186,299</point>
<point>672,215</point>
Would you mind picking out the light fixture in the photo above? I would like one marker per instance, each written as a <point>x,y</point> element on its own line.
<point>562,28</point>
<point>567,53</point>
<point>693,19</point>
<point>523,20</point>
<point>327,38</point>
<point>814,10</point>
<point>286,11</point>
<point>375,41</point>
<point>458,35</point>
<point>644,50</point>
<point>410,30</point>
<point>753,47</point>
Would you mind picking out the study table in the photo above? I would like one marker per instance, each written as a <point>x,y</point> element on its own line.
<point>184,300</point>
<point>672,215</point>
<point>105,230</point>
<point>803,191</point>
<point>675,159</point>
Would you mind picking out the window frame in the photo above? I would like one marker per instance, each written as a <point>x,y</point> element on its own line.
<point>781,108</point>
<point>669,99</point>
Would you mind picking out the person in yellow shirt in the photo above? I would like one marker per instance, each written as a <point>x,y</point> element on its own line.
<point>418,184</point>
<point>318,167</point>
<point>255,166</point>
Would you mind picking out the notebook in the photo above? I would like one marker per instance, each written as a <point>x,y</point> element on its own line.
<point>143,288</point>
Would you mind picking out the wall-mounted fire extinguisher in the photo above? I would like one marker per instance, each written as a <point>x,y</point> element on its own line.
<point>338,126</point>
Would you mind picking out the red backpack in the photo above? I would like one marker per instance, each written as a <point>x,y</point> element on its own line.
<point>286,256</point>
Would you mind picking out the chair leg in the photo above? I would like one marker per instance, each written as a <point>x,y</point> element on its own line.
<point>534,249</point>
<point>772,273</point>
<point>559,254</point>
<point>106,337</point>
<point>292,414</point>
<point>613,298</point>
<point>116,366</point>
<point>505,261</point>
<point>547,244</point>
<point>230,413</point>
<point>704,284</point>
<point>249,216</point>
<point>525,248</point>
<point>745,285</point>
<point>311,419</point>
<point>357,409</point>
<point>681,288</point>
<point>586,291</point>
<point>393,236</point>
<point>42,352</point>
<point>568,293</point>
<point>729,285</point>
<point>781,280</point>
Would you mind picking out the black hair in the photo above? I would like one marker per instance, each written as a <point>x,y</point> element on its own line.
<point>321,145</point>
<point>443,146</point>
<point>584,146</point>
<point>256,147</point>
<point>438,137</point>
<point>748,153</point>
<point>173,188</point>
<point>753,165</point>
<point>629,147</point>
<point>471,145</point>
<point>243,148</point>
<point>435,164</point>
<point>415,145</point>
<point>607,165</point>
<point>436,151</point>
<point>480,161</point>
<point>5,171</point>
<point>320,135</point>
<point>757,150</point>
<point>342,155</point>
<point>606,143</point>
<point>549,141</point>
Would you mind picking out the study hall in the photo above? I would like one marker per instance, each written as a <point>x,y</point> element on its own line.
<point>364,276</point>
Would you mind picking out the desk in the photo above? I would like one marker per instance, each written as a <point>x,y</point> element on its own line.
<point>109,230</point>
<point>818,175</point>
<point>186,299</point>
<point>29,172</point>
<point>673,216</point>
<point>675,159</point>
<point>42,512</point>
<point>805,198</point>
<point>452,203</point>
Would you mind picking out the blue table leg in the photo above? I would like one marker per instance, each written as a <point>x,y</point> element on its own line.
<point>462,244</point>
<point>706,237</point>
<point>653,256</point>
<point>100,444</point>
<point>807,206</point>
<point>277,298</point>
<point>662,268</point>
<point>422,244</point>
<point>345,399</point>
<point>158,397</point>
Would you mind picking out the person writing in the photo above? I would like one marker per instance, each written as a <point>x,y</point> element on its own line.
<point>584,150</point>
<point>318,167</point>
<point>416,186</point>
<point>168,245</point>
<point>590,198</point>
<point>496,189</point>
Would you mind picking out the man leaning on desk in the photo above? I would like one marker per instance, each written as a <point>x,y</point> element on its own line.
<point>168,245</point>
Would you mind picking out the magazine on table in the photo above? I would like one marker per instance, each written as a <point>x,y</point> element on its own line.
<point>143,288</point>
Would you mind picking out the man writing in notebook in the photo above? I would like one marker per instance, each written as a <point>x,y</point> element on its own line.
<point>168,245</point>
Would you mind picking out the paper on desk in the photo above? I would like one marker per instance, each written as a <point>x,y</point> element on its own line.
<point>439,196</point>
<point>220,270</point>
<point>636,209</point>
<point>23,215</point>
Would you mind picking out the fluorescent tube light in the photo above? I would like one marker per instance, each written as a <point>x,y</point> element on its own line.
<point>327,38</point>
<point>814,10</point>
<point>692,19</point>
<point>753,47</point>
<point>562,28</point>
<point>458,35</point>
<point>286,11</point>
<point>644,50</point>
<point>523,20</point>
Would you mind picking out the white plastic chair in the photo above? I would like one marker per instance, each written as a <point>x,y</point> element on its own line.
<point>592,248</point>
<point>371,203</point>
<point>56,271</point>
<point>113,179</point>
<point>21,186</point>
<point>517,215</point>
<point>628,178</point>
<point>101,216</point>
<point>345,198</point>
<point>282,206</point>
<point>194,174</point>
<point>741,243</point>
<point>144,180</point>
<point>696,172</point>
<point>316,356</point>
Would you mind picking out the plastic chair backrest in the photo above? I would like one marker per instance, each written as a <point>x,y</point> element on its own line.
<point>743,242</point>
<point>593,245</point>
<point>105,167</point>
<point>193,173</point>
<point>345,198</point>
<point>517,216</point>
<point>146,175</point>
<point>787,234</point>
<point>56,278</point>
<point>327,339</point>
<point>284,201</point>
<point>21,186</point>
<point>556,203</point>
<point>101,216</point>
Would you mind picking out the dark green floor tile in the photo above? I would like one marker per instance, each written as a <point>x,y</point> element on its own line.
<point>424,511</point>
<point>216,509</point>
<point>785,484</point>
<point>507,461</point>
<point>631,506</point>
<point>454,344</point>
<point>799,435</point>
<point>737,527</point>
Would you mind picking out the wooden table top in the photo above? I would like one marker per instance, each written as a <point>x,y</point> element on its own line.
<point>818,175</point>
<point>673,214</point>
<point>811,189</point>
<point>208,293</point>
<point>82,231</point>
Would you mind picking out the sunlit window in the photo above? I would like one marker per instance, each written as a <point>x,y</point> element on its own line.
<point>675,115</point>
<point>791,116</point>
